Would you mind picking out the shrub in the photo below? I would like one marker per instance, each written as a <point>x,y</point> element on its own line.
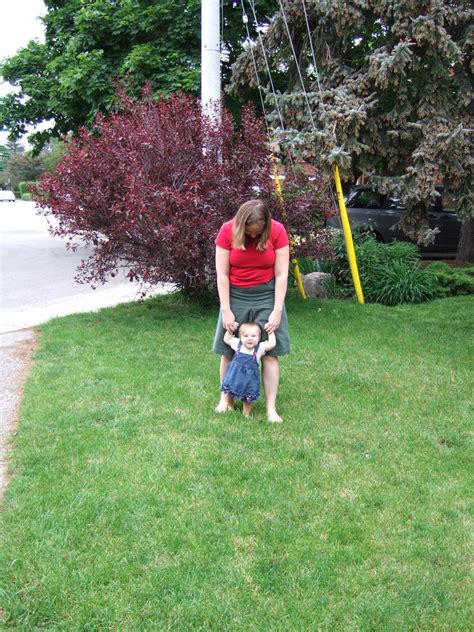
<point>452,281</point>
<point>23,188</point>
<point>397,283</point>
<point>339,265</point>
<point>389,273</point>
<point>142,192</point>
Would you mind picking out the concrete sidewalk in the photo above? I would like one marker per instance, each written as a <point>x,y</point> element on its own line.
<point>16,351</point>
<point>17,318</point>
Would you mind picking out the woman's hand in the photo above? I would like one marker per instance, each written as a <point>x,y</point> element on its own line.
<point>228,320</point>
<point>273,322</point>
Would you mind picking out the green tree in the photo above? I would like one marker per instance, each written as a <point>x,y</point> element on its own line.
<point>12,148</point>
<point>53,152</point>
<point>5,153</point>
<point>69,78</point>
<point>18,165</point>
<point>394,105</point>
<point>23,167</point>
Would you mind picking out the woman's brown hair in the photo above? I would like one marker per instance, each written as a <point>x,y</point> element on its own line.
<point>251,212</point>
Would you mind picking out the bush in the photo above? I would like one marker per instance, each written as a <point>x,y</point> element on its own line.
<point>25,188</point>
<point>452,281</point>
<point>397,282</point>
<point>389,273</point>
<point>140,189</point>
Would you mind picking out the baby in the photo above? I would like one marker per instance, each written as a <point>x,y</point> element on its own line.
<point>242,378</point>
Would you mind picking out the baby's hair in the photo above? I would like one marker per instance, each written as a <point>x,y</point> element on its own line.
<point>244,326</point>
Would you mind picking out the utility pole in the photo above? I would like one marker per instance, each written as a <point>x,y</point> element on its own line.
<point>211,58</point>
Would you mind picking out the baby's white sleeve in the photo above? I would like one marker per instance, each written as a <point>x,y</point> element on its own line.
<point>234,342</point>
<point>260,351</point>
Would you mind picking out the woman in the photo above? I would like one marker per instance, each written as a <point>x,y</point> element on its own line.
<point>252,257</point>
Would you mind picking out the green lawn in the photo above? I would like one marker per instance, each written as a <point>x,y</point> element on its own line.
<point>132,506</point>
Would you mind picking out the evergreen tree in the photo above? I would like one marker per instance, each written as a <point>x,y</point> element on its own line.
<point>394,105</point>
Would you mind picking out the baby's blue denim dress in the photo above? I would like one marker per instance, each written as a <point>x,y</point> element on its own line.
<point>242,378</point>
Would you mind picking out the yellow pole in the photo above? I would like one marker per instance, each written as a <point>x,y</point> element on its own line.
<point>293,259</point>
<point>348,237</point>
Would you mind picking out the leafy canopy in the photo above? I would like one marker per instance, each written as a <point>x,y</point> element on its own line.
<point>70,78</point>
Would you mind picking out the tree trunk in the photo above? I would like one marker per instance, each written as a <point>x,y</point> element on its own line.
<point>466,242</point>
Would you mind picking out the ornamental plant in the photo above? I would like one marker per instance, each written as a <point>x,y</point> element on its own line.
<point>149,187</point>
<point>452,281</point>
<point>390,274</point>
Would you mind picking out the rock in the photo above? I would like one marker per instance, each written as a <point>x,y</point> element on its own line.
<point>314,284</point>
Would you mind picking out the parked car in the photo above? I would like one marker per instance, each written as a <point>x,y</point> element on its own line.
<point>7,196</point>
<point>365,206</point>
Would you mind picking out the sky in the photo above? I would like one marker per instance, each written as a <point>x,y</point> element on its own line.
<point>20,23</point>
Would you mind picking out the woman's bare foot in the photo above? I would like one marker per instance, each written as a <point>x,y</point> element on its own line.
<point>273,417</point>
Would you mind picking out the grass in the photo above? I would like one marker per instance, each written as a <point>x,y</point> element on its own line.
<point>133,506</point>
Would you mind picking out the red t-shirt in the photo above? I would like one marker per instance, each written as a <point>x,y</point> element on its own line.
<point>251,267</point>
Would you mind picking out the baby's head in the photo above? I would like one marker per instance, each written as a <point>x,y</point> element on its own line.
<point>250,334</point>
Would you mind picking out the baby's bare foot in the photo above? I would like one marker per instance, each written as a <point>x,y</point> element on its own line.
<point>273,417</point>
<point>223,407</point>
<point>246,409</point>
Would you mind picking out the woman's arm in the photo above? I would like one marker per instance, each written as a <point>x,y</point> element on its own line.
<point>223,287</point>
<point>282,262</point>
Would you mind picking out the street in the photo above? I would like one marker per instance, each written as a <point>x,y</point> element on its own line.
<point>37,273</point>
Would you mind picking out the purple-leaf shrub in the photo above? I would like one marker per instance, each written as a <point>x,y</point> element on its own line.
<point>141,190</point>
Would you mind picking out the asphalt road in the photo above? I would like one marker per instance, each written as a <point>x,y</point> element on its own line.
<point>37,273</point>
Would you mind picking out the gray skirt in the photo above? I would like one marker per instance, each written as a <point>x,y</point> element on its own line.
<point>254,304</point>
